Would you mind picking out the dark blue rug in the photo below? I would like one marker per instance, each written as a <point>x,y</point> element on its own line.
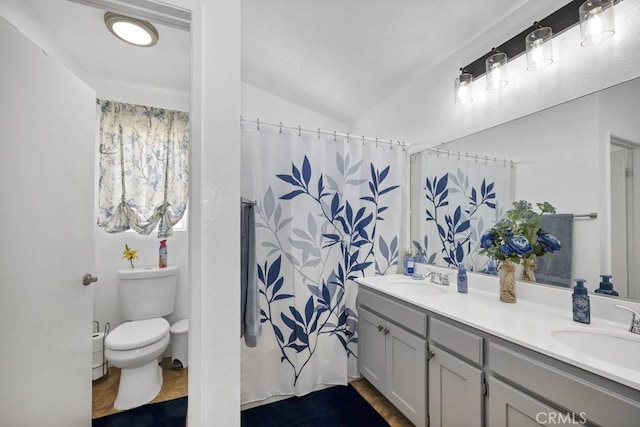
<point>171,413</point>
<point>340,406</point>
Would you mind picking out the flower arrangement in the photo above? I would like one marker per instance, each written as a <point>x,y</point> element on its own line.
<point>519,235</point>
<point>129,254</point>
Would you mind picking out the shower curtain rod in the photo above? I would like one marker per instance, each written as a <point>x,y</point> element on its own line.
<point>477,158</point>
<point>318,132</point>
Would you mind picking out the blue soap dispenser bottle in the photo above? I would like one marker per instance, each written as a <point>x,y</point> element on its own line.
<point>462,279</point>
<point>581,305</point>
<point>409,264</point>
<point>606,287</point>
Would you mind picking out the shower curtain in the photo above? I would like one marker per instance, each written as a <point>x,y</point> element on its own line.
<point>327,211</point>
<point>454,201</point>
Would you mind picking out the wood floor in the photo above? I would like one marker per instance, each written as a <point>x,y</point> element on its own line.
<point>105,390</point>
<point>175,385</point>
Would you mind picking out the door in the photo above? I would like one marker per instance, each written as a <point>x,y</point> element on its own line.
<point>509,407</point>
<point>455,391</point>
<point>47,119</point>
<point>371,348</point>
<point>406,373</point>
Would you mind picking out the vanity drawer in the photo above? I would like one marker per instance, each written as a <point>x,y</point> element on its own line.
<point>599,405</point>
<point>406,317</point>
<point>463,343</point>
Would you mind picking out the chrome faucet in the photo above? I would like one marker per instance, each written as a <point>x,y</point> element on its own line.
<point>635,319</point>
<point>437,278</point>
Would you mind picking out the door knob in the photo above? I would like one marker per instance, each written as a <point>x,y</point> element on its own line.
<point>379,328</point>
<point>88,279</point>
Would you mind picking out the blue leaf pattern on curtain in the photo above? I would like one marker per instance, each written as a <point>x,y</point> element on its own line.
<point>144,168</point>
<point>460,200</point>
<point>322,221</point>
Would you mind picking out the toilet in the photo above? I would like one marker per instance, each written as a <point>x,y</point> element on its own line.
<point>146,294</point>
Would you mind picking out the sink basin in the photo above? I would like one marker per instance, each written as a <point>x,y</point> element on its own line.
<point>417,287</point>
<point>619,348</point>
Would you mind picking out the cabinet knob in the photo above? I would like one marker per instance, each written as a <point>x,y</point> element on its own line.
<point>386,331</point>
<point>430,355</point>
<point>379,328</point>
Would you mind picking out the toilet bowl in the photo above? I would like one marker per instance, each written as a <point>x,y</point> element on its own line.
<point>146,294</point>
<point>134,347</point>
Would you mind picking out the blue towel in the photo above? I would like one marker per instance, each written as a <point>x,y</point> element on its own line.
<point>555,269</point>
<point>250,326</point>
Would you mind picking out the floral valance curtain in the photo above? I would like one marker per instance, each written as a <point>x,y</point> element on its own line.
<point>144,168</point>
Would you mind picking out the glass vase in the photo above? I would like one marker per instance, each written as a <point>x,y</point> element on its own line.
<point>508,282</point>
<point>529,269</point>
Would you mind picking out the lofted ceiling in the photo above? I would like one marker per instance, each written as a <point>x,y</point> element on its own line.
<point>337,57</point>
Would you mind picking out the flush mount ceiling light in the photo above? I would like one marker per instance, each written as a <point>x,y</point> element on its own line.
<point>596,21</point>
<point>496,68</point>
<point>131,30</point>
<point>538,44</point>
<point>462,89</point>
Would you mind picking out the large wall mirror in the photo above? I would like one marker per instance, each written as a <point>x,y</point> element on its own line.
<point>581,156</point>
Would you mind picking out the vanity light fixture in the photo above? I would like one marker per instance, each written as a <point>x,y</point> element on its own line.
<point>596,21</point>
<point>131,30</point>
<point>462,89</point>
<point>496,68</point>
<point>538,44</point>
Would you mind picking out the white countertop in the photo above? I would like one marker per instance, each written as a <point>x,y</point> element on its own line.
<point>529,322</point>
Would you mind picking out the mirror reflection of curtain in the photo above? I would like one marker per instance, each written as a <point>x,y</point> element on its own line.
<point>144,168</point>
<point>454,201</point>
<point>327,211</point>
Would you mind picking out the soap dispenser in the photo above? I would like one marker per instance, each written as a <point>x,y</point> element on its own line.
<point>581,306</point>
<point>606,287</point>
<point>462,279</point>
<point>409,264</point>
<point>491,268</point>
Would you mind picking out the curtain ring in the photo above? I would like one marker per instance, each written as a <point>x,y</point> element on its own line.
<point>280,127</point>
<point>458,155</point>
<point>376,142</point>
<point>318,133</point>
<point>476,158</point>
<point>348,140</point>
<point>299,133</point>
<point>404,146</point>
<point>334,135</point>
<point>505,163</point>
<point>258,121</point>
<point>486,160</point>
<point>363,140</point>
<point>437,152</point>
<point>448,154</point>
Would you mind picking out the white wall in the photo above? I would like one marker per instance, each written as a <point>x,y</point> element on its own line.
<point>424,110</point>
<point>270,108</point>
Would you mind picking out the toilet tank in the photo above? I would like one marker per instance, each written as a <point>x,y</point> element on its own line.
<point>146,293</point>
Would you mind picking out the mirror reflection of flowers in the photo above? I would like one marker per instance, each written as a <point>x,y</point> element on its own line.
<point>519,235</point>
<point>129,254</point>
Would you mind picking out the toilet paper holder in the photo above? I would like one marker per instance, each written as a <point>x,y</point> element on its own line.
<point>100,366</point>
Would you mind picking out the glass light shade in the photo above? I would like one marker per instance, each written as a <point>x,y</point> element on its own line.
<point>596,21</point>
<point>462,88</point>
<point>131,30</point>
<point>496,66</point>
<point>539,48</point>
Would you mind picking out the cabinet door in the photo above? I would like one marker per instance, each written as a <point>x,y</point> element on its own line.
<point>371,348</point>
<point>455,391</point>
<point>509,407</point>
<point>406,373</point>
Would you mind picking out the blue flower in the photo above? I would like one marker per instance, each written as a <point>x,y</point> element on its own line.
<point>505,250</point>
<point>548,242</point>
<point>488,239</point>
<point>519,245</point>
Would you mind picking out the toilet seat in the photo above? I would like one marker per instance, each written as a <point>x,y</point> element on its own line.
<point>137,333</point>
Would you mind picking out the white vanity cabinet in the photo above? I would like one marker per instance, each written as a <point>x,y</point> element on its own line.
<point>393,357</point>
<point>456,379</point>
